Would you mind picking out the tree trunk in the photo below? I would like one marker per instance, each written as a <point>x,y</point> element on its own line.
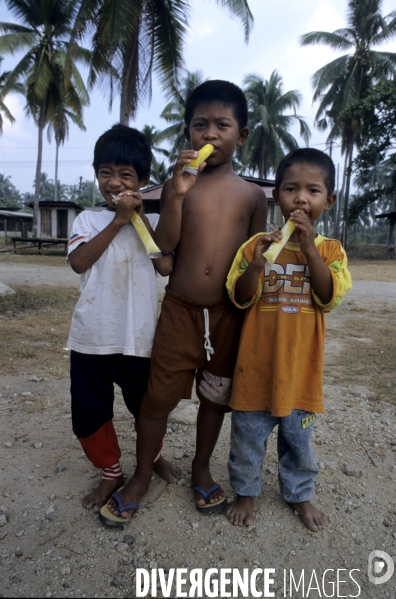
<point>56,171</point>
<point>337,216</point>
<point>124,112</point>
<point>349,154</point>
<point>38,170</point>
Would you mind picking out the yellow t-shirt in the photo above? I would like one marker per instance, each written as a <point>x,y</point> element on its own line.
<point>280,360</point>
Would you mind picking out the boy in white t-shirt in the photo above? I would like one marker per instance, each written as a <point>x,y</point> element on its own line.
<point>114,320</point>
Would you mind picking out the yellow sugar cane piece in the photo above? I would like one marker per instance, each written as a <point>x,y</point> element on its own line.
<point>152,250</point>
<point>276,246</point>
<point>192,167</point>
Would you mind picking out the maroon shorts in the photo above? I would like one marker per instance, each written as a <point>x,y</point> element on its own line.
<point>179,354</point>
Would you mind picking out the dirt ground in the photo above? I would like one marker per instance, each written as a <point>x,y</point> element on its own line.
<point>50,546</point>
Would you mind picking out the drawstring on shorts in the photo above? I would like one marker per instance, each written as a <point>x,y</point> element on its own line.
<point>209,349</point>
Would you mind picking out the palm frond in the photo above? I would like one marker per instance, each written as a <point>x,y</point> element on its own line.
<point>334,40</point>
<point>239,9</point>
<point>170,27</point>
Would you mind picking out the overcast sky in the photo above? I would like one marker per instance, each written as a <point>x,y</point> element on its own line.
<point>215,45</point>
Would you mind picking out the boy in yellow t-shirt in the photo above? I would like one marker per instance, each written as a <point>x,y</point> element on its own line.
<point>279,370</point>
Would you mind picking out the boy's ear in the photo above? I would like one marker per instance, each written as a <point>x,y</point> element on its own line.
<point>143,182</point>
<point>275,195</point>
<point>187,134</point>
<point>243,135</point>
<point>331,200</point>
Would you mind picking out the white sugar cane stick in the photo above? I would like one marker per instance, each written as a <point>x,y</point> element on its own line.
<point>152,250</point>
<point>276,246</point>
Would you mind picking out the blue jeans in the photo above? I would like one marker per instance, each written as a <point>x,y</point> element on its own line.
<point>297,466</point>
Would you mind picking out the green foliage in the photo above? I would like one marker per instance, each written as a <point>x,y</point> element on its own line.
<point>51,85</point>
<point>9,195</point>
<point>348,78</point>
<point>174,111</point>
<point>85,194</point>
<point>377,115</point>
<point>4,112</point>
<point>131,40</point>
<point>268,124</point>
<point>152,136</point>
<point>375,163</point>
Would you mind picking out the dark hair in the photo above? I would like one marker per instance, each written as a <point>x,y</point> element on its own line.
<point>123,145</point>
<point>312,157</point>
<point>218,91</point>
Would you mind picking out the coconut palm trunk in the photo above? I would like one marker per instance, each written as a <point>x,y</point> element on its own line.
<point>349,155</point>
<point>57,142</point>
<point>41,124</point>
<point>340,203</point>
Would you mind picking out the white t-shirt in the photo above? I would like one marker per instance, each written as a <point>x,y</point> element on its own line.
<point>117,309</point>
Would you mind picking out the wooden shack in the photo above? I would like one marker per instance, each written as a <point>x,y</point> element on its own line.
<point>55,219</point>
<point>13,221</point>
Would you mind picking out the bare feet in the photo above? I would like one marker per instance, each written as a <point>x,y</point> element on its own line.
<point>313,518</point>
<point>99,496</point>
<point>240,511</point>
<point>167,470</point>
<point>201,477</point>
<point>131,493</point>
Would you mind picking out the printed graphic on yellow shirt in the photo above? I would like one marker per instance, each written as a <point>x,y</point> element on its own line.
<point>292,283</point>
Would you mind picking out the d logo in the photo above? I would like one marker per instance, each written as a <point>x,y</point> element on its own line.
<point>380,563</point>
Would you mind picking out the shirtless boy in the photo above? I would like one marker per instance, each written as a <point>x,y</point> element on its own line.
<point>204,219</point>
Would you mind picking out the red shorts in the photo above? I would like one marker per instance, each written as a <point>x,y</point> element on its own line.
<point>179,355</point>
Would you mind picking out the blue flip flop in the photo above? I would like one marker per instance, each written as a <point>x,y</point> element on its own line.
<point>210,508</point>
<point>107,517</point>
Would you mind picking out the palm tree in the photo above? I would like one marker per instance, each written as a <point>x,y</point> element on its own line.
<point>151,134</point>
<point>348,78</point>
<point>59,116</point>
<point>174,113</point>
<point>137,38</point>
<point>269,135</point>
<point>3,108</point>
<point>8,192</point>
<point>159,174</point>
<point>43,34</point>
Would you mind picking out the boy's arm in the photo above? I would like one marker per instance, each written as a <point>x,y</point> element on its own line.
<point>322,281</point>
<point>86,254</point>
<point>164,264</point>
<point>258,221</point>
<point>167,233</point>
<point>246,285</point>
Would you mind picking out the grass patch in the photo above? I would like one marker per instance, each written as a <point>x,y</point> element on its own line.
<point>383,271</point>
<point>37,299</point>
<point>40,260</point>
<point>35,324</point>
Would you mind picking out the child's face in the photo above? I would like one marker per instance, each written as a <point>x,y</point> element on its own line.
<point>215,123</point>
<point>113,179</point>
<point>303,187</point>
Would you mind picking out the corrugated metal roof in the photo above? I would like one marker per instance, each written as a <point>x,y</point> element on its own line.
<point>15,215</point>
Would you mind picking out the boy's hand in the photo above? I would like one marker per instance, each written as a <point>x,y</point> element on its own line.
<point>126,204</point>
<point>183,181</point>
<point>305,229</point>
<point>262,246</point>
<point>247,282</point>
